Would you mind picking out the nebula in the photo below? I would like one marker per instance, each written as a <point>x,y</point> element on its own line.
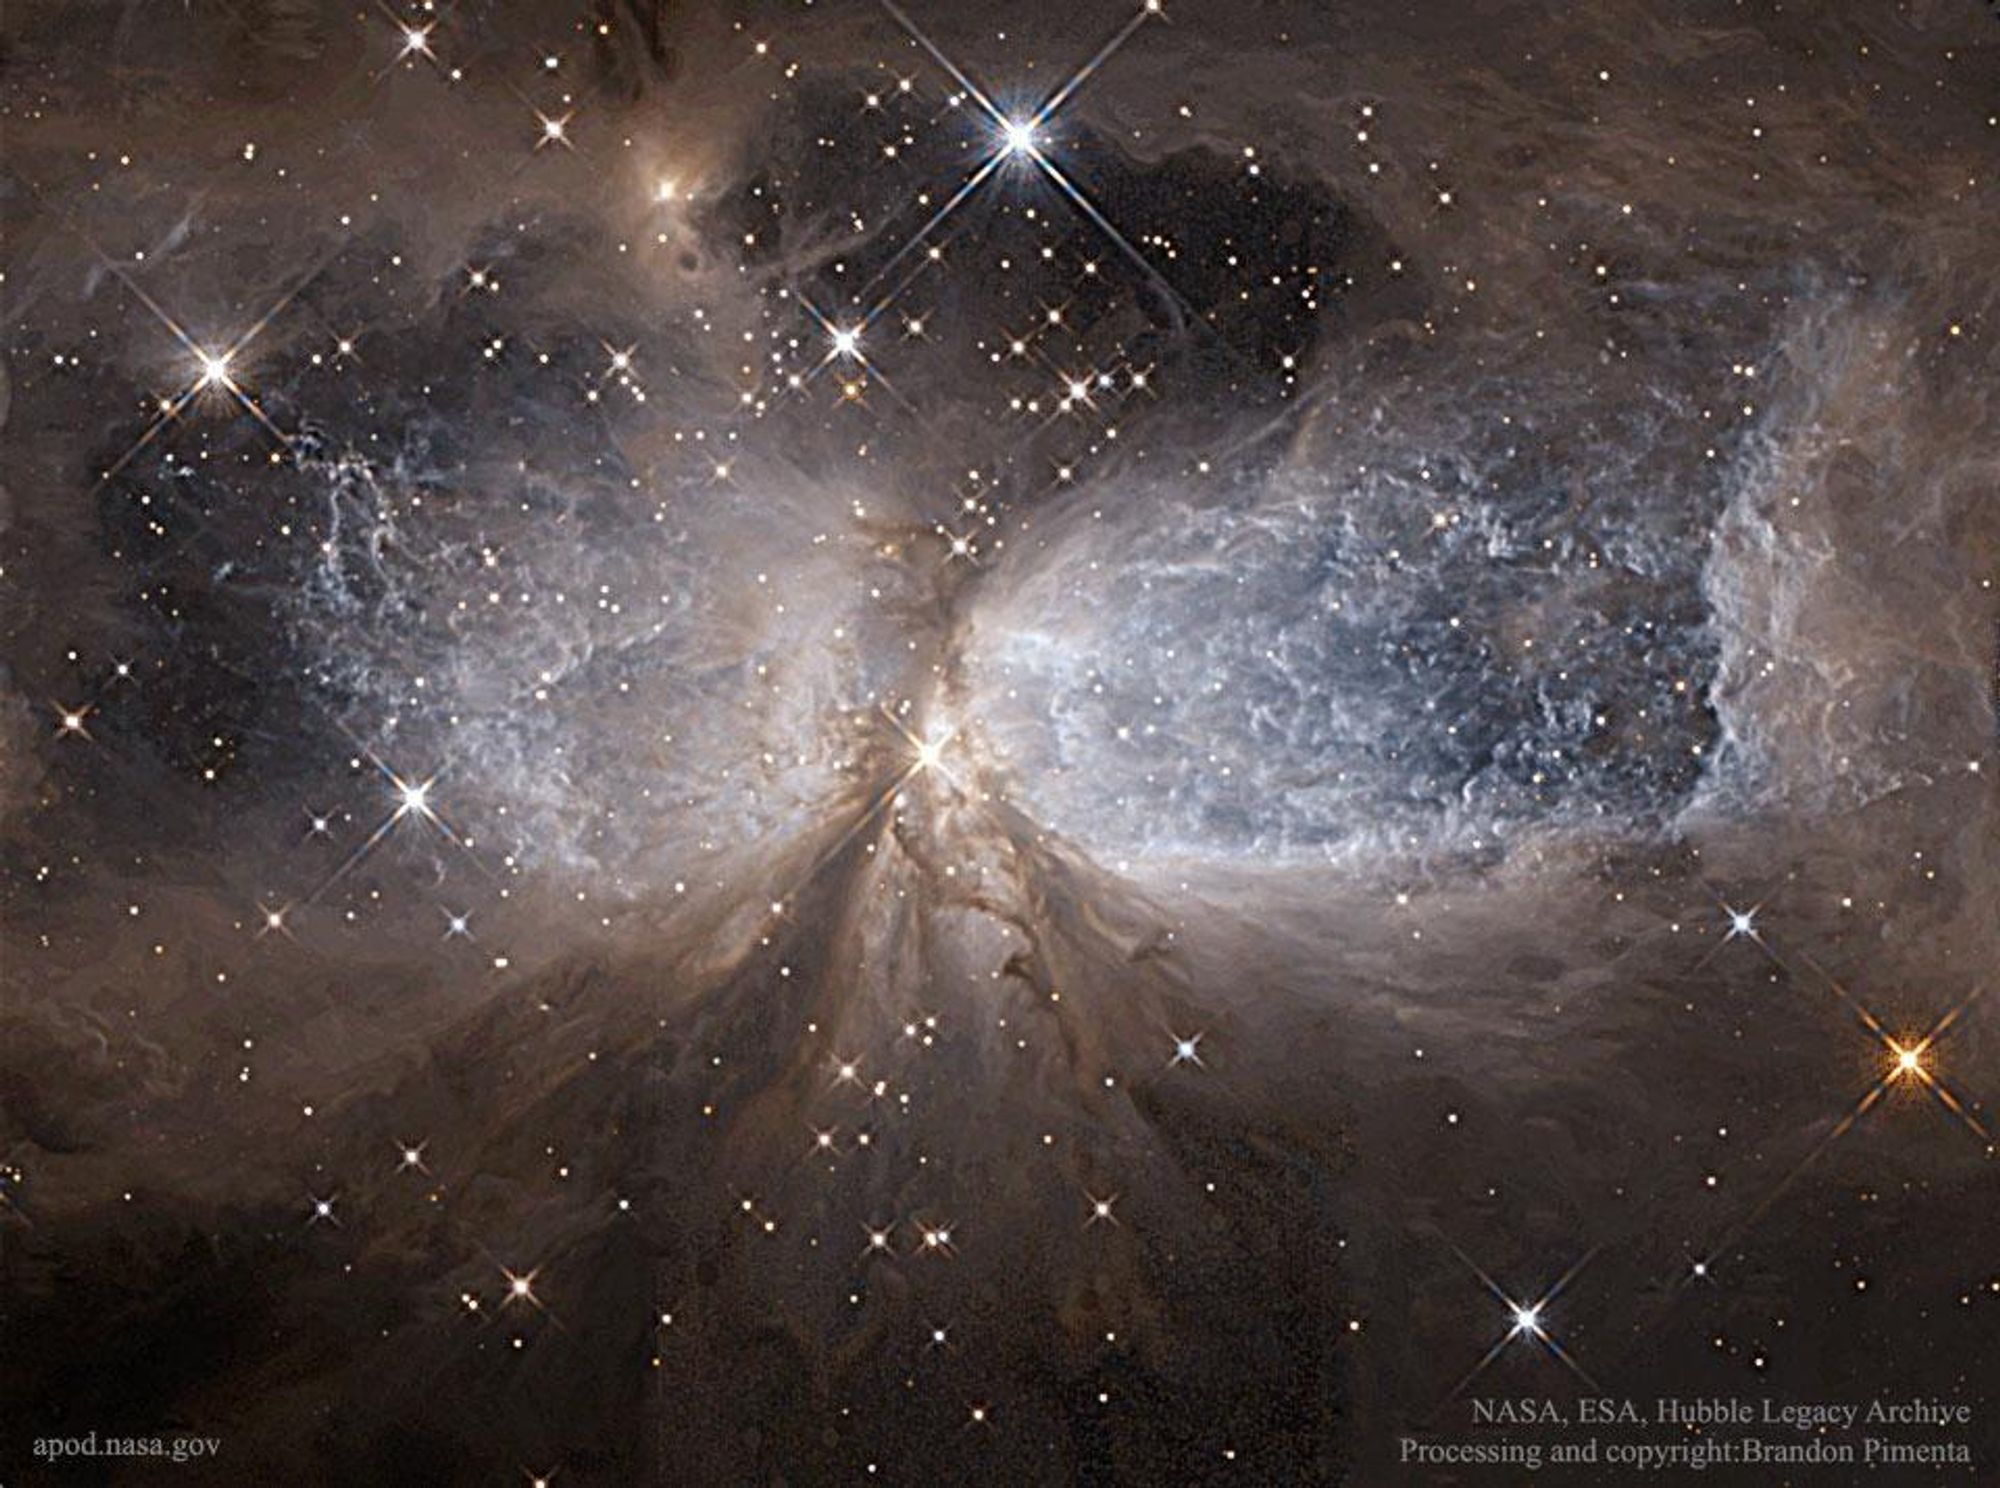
<point>1135,744</point>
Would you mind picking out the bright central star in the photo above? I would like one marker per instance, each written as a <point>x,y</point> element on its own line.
<point>1018,137</point>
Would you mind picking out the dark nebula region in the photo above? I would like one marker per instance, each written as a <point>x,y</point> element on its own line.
<point>794,743</point>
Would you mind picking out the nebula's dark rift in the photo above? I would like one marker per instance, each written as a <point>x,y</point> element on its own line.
<point>814,743</point>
